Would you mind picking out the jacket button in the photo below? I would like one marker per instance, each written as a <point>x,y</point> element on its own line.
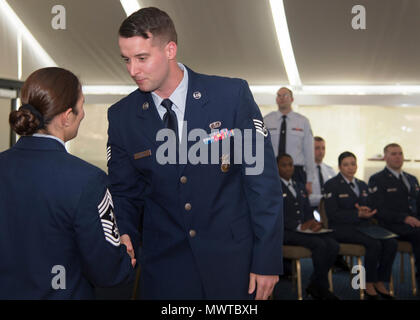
<point>192,233</point>
<point>188,206</point>
<point>298,211</point>
<point>183,179</point>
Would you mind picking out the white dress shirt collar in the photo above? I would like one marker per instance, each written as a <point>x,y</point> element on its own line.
<point>288,115</point>
<point>348,181</point>
<point>286,182</point>
<point>178,97</point>
<point>395,173</point>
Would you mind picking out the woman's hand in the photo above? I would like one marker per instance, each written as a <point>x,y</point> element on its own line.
<point>364,211</point>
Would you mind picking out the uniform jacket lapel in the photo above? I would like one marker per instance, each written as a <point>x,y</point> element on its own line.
<point>413,186</point>
<point>288,192</point>
<point>347,188</point>
<point>362,190</point>
<point>147,111</point>
<point>398,182</point>
<point>195,115</point>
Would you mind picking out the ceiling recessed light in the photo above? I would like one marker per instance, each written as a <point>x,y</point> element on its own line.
<point>130,6</point>
<point>14,20</point>
<point>283,38</point>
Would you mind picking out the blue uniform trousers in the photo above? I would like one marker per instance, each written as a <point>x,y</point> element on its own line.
<point>324,252</point>
<point>379,256</point>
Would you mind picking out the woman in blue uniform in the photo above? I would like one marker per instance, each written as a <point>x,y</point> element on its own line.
<point>59,236</point>
<point>348,212</point>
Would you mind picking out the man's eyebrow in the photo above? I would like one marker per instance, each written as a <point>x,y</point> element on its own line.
<point>142,54</point>
<point>137,55</point>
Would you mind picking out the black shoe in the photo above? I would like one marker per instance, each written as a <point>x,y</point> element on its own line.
<point>320,293</point>
<point>328,295</point>
<point>386,296</point>
<point>341,264</point>
<point>371,297</point>
<point>315,292</point>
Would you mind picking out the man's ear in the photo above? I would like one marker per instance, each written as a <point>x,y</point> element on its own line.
<point>171,50</point>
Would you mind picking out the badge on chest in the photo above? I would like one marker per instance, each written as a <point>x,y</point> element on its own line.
<point>343,195</point>
<point>225,166</point>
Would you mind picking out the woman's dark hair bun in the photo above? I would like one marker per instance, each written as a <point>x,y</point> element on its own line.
<point>46,93</point>
<point>23,122</point>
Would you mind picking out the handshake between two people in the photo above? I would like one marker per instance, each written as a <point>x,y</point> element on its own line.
<point>125,240</point>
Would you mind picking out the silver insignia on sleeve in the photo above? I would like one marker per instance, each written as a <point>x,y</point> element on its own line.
<point>108,153</point>
<point>109,223</point>
<point>260,127</point>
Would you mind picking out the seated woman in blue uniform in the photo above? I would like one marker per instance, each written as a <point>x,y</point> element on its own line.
<point>348,212</point>
<point>59,235</point>
<point>298,217</point>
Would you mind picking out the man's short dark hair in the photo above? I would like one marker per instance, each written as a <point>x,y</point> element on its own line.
<point>149,20</point>
<point>319,139</point>
<point>391,145</point>
<point>344,155</point>
<point>283,155</point>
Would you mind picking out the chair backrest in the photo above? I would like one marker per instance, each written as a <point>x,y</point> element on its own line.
<point>323,213</point>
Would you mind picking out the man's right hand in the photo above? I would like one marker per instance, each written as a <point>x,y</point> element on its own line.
<point>414,222</point>
<point>125,240</point>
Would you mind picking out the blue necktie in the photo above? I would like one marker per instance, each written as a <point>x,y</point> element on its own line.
<point>169,118</point>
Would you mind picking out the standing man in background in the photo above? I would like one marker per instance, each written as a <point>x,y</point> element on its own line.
<point>209,230</point>
<point>291,133</point>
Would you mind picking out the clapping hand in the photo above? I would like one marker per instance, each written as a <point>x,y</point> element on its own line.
<point>412,221</point>
<point>364,211</point>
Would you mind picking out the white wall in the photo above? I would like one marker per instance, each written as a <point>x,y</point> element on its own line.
<point>32,59</point>
<point>5,105</point>
<point>90,143</point>
<point>365,130</point>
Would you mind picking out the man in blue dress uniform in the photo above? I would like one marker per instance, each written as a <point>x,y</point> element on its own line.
<point>210,229</point>
<point>395,194</point>
<point>299,218</point>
